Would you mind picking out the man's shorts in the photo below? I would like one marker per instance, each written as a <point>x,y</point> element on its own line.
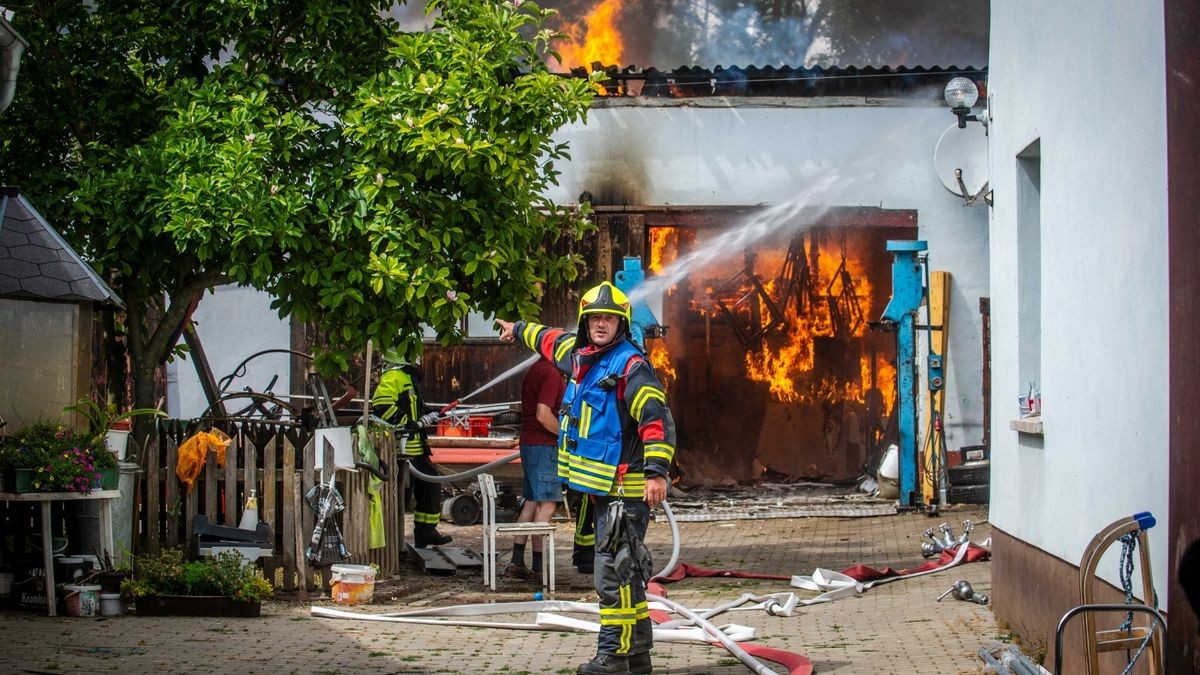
<point>542,483</point>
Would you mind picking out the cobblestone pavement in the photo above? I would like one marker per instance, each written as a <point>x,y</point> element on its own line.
<point>894,628</point>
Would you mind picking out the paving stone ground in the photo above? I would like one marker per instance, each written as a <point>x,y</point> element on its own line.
<point>897,627</point>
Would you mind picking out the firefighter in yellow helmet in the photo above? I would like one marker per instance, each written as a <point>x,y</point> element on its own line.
<point>616,442</point>
<point>397,400</point>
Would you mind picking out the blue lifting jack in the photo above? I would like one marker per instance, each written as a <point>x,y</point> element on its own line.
<point>645,324</point>
<point>909,291</point>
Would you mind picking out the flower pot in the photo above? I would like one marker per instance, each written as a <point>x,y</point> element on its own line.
<point>110,580</point>
<point>117,440</point>
<point>195,605</point>
<point>109,479</point>
<point>23,480</point>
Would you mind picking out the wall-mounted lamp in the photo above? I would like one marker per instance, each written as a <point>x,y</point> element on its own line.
<point>961,95</point>
<point>12,47</point>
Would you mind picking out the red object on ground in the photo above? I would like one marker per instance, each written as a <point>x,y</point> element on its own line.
<point>798,664</point>
<point>865,573</point>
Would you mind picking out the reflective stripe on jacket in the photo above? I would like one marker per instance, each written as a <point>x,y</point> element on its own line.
<point>647,430</point>
<point>401,404</point>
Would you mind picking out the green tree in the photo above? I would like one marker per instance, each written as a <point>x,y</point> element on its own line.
<point>370,179</point>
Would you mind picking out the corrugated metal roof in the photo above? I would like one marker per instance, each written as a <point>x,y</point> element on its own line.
<point>868,81</point>
<point>37,264</point>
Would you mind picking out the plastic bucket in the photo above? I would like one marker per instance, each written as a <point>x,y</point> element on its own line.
<point>70,570</point>
<point>117,441</point>
<point>110,604</point>
<point>480,426</point>
<point>82,600</point>
<point>352,584</point>
<point>91,563</point>
<point>889,473</point>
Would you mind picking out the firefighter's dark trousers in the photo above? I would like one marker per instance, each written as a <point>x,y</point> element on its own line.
<point>624,616</point>
<point>428,496</point>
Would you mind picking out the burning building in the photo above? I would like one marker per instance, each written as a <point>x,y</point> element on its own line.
<point>760,188</point>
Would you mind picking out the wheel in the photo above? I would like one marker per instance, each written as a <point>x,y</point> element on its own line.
<point>461,509</point>
<point>260,406</point>
<point>971,473</point>
<point>968,494</point>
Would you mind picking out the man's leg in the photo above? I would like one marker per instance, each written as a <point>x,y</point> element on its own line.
<point>517,567</point>
<point>625,631</point>
<point>428,511</point>
<point>583,552</point>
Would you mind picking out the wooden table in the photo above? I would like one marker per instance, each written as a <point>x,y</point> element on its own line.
<point>46,499</point>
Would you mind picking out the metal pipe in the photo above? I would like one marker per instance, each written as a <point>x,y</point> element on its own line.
<point>1100,607</point>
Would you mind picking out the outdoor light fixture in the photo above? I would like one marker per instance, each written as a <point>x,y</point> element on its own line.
<point>12,47</point>
<point>961,95</point>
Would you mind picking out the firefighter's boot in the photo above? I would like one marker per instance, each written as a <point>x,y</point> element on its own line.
<point>640,663</point>
<point>427,535</point>
<point>604,664</point>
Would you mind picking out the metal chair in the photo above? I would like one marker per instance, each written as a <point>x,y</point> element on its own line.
<point>492,530</point>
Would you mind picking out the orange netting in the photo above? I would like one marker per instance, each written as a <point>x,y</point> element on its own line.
<point>194,452</point>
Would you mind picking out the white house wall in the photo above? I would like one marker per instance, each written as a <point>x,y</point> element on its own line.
<point>883,156</point>
<point>1086,79</point>
<point>233,323</point>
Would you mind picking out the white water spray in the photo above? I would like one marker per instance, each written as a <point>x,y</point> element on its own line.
<point>797,215</point>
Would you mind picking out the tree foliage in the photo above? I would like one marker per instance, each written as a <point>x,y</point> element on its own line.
<point>371,180</point>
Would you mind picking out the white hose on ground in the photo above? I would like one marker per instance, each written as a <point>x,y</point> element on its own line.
<point>733,647</point>
<point>751,662</point>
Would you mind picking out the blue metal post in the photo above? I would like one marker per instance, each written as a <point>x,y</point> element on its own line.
<point>907,291</point>
<point>644,320</point>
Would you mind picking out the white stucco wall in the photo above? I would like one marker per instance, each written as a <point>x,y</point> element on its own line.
<point>233,323</point>
<point>1085,78</point>
<point>883,156</point>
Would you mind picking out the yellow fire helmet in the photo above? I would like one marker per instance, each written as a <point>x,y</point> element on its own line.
<point>604,299</point>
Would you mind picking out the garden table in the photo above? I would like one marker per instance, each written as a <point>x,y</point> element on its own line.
<point>46,499</point>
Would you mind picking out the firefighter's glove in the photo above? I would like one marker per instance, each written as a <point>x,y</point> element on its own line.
<point>611,537</point>
<point>633,562</point>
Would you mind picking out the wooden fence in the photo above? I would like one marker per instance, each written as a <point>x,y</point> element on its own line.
<point>277,461</point>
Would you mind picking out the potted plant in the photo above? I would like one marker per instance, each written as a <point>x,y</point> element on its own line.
<point>224,585</point>
<point>53,458</point>
<point>107,426</point>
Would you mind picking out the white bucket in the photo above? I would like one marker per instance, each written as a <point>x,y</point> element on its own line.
<point>889,473</point>
<point>91,563</point>
<point>82,600</point>
<point>110,604</point>
<point>352,584</point>
<point>117,441</point>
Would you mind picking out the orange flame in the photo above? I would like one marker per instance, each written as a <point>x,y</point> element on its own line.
<point>664,250</point>
<point>593,39</point>
<point>788,369</point>
<point>661,360</point>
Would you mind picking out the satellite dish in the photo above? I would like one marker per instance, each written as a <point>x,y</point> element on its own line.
<point>961,160</point>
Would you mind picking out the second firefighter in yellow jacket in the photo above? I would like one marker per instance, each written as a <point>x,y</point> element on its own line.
<point>397,401</point>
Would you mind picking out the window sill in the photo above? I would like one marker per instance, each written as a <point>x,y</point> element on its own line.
<point>1027,425</point>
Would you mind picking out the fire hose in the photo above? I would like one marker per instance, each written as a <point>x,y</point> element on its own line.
<point>700,621</point>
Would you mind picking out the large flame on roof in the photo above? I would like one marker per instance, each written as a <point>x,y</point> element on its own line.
<point>594,39</point>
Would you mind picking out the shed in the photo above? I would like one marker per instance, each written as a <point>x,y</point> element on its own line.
<point>47,298</point>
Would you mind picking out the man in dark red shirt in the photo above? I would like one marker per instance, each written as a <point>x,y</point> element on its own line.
<point>541,394</point>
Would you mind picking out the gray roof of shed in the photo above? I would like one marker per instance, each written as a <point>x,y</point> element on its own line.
<point>37,264</point>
